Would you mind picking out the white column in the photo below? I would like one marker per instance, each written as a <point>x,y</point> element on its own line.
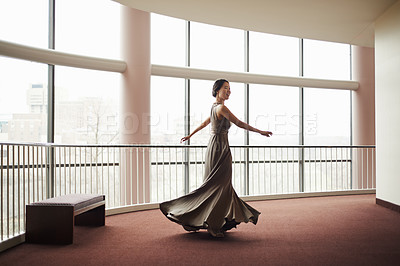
<point>364,116</point>
<point>364,97</point>
<point>135,104</point>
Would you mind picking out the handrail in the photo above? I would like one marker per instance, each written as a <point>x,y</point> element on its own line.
<point>176,145</point>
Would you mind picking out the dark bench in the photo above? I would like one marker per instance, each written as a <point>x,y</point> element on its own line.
<point>51,221</point>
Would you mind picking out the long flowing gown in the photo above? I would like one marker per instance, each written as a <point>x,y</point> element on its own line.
<point>215,205</point>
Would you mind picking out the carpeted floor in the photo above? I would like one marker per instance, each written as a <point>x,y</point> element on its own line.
<point>342,230</point>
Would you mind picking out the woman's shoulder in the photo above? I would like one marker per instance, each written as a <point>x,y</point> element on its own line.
<point>222,107</point>
<point>218,106</point>
<point>221,110</point>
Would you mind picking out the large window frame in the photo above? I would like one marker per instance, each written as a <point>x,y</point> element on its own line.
<point>246,97</point>
<point>187,127</point>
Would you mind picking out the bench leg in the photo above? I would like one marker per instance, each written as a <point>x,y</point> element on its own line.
<point>49,224</point>
<point>94,217</point>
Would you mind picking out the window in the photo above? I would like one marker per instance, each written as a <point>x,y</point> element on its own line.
<point>326,111</point>
<point>168,40</point>
<point>273,54</point>
<point>86,106</point>
<point>167,110</point>
<point>23,101</point>
<point>274,108</point>
<point>25,22</point>
<point>90,27</point>
<point>326,60</point>
<point>218,48</point>
<point>201,100</point>
<point>326,117</point>
<point>326,122</point>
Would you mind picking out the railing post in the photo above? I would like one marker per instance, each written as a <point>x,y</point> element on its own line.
<point>187,170</point>
<point>301,169</point>
<point>246,171</point>
<point>301,119</point>
<point>351,167</point>
<point>50,172</point>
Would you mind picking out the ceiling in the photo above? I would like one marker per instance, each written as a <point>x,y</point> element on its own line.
<point>344,21</point>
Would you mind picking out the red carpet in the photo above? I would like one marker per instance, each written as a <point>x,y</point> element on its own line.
<point>343,230</point>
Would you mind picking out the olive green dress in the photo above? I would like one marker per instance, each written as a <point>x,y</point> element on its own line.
<point>215,205</point>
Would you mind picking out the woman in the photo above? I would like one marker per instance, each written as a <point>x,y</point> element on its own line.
<point>215,205</point>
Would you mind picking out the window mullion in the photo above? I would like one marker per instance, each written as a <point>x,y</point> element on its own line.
<point>50,103</point>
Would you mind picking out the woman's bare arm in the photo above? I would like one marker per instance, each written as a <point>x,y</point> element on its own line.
<point>202,125</point>
<point>225,112</point>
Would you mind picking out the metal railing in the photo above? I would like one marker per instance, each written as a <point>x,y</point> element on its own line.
<point>132,175</point>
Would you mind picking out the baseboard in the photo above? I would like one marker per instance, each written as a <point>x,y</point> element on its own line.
<point>152,206</point>
<point>308,195</point>
<point>132,208</point>
<point>12,242</point>
<point>388,205</point>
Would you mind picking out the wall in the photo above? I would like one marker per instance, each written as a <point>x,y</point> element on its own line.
<point>387,99</point>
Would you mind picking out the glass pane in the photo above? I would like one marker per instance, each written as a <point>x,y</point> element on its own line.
<point>328,169</point>
<point>25,22</point>
<point>326,117</point>
<point>273,54</point>
<point>23,101</point>
<point>201,100</point>
<point>168,40</point>
<point>274,108</point>
<point>236,106</point>
<point>326,60</point>
<point>218,48</point>
<point>90,27</point>
<point>273,170</point>
<point>167,110</point>
<point>86,106</point>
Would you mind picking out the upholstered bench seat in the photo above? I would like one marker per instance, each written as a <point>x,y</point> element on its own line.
<point>52,220</point>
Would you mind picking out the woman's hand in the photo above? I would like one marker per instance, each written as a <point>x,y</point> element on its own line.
<point>185,139</point>
<point>266,133</point>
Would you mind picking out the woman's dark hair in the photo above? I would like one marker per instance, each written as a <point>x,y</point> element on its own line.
<point>217,86</point>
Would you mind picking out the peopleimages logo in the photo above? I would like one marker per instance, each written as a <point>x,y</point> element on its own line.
<point>279,123</point>
<point>132,123</point>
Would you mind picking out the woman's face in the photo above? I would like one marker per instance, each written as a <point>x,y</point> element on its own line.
<point>225,91</point>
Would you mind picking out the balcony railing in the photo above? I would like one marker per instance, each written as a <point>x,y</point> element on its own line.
<point>144,175</point>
